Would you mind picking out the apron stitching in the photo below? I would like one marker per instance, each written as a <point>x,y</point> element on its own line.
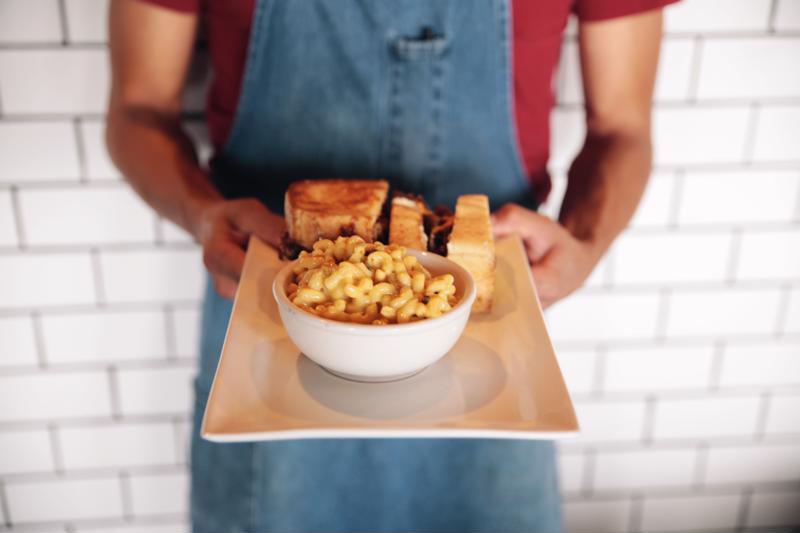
<point>436,132</point>
<point>506,14</point>
<point>251,69</point>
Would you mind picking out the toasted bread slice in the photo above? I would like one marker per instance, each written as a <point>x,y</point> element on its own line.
<point>325,209</point>
<point>471,245</point>
<point>406,226</point>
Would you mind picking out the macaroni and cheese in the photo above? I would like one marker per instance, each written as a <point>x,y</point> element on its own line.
<point>368,283</point>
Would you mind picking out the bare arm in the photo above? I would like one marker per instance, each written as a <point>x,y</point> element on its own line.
<point>618,62</point>
<point>606,180</point>
<point>150,52</point>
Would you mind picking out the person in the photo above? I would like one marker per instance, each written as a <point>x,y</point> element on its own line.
<point>440,97</point>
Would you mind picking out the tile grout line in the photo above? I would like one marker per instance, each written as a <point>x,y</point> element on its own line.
<point>717,364</point>
<point>782,314</point>
<point>96,524</point>
<point>170,332</point>
<point>649,423</point>
<point>734,253</point>
<point>55,444</point>
<point>772,17</point>
<point>751,130</point>
<point>662,315</point>
<point>697,60</point>
<point>675,203</point>
<point>158,232</point>
<point>744,508</point>
<point>760,429</point>
<point>38,339</point>
<point>97,275</point>
<point>587,476</point>
<point>599,376</point>
<point>4,507</point>
<point>700,467</point>
<point>80,146</point>
<point>105,473</point>
<point>150,363</point>
<point>797,203</point>
<point>127,499</point>
<point>19,226</point>
<point>636,516</point>
<point>177,434</point>
<point>113,392</point>
<point>62,16</point>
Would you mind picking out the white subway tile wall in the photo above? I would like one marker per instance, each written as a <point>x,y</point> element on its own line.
<point>19,342</point>
<point>783,415</point>
<point>38,456</point>
<point>682,351</point>
<point>85,215</point>
<point>8,227</point>
<point>738,197</point>
<point>86,20</point>
<point>787,15</point>
<point>644,468</point>
<point>773,509</point>
<point>706,417</point>
<point>710,16</point>
<point>28,81</point>
<point>570,471</point>
<point>22,21</point>
<point>104,337</point>
<point>752,464</point>
<point>54,395</point>
<point>690,513</point>
<point>159,493</point>
<point>22,145</point>
<point>67,499</point>
<point>118,445</point>
<point>776,133</point>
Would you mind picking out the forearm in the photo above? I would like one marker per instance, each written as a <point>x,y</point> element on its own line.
<point>158,159</point>
<point>606,182</point>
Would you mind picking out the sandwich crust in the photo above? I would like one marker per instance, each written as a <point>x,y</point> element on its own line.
<point>325,209</point>
<point>406,226</point>
<point>471,245</point>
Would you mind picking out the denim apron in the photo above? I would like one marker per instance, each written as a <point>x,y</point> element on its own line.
<point>417,92</point>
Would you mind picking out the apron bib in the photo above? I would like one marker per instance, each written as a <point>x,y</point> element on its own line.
<point>414,91</point>
<point>417,92</point>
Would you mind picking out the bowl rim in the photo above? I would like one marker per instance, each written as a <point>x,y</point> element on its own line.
<point>379,329</point>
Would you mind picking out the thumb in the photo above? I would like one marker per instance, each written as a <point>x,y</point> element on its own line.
<point>546,282</point>
<point>253,218</point>
<point>538,232</point>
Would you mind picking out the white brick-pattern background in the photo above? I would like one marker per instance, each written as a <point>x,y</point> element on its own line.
<point>682,352</point>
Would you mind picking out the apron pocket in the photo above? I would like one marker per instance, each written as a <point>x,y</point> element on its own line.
<point>427,47</point>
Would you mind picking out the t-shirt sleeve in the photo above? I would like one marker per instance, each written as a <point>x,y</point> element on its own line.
<point>593,10</point>
<point>185,6</point>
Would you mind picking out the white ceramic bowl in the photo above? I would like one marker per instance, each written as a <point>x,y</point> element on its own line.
<point>378,353</point>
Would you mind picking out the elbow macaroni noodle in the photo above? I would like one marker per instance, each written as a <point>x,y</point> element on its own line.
<point>368,283</point>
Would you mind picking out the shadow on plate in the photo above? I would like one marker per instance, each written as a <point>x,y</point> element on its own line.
<point>462,381</point>
<point>289,384</point>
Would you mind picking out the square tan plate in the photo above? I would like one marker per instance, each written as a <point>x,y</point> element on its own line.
<point>501,379</point>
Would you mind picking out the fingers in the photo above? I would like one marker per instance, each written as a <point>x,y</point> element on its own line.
<point>547,284</point>
<point>225,286</point>
<point>252,218</point>
<point>223,257</point>
<point>538,232</point>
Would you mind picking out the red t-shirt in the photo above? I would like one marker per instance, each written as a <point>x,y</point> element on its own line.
<point>537,33</point>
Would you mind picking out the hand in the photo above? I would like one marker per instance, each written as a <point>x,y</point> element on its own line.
<point>223,232</point>
<point>560,263</point>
